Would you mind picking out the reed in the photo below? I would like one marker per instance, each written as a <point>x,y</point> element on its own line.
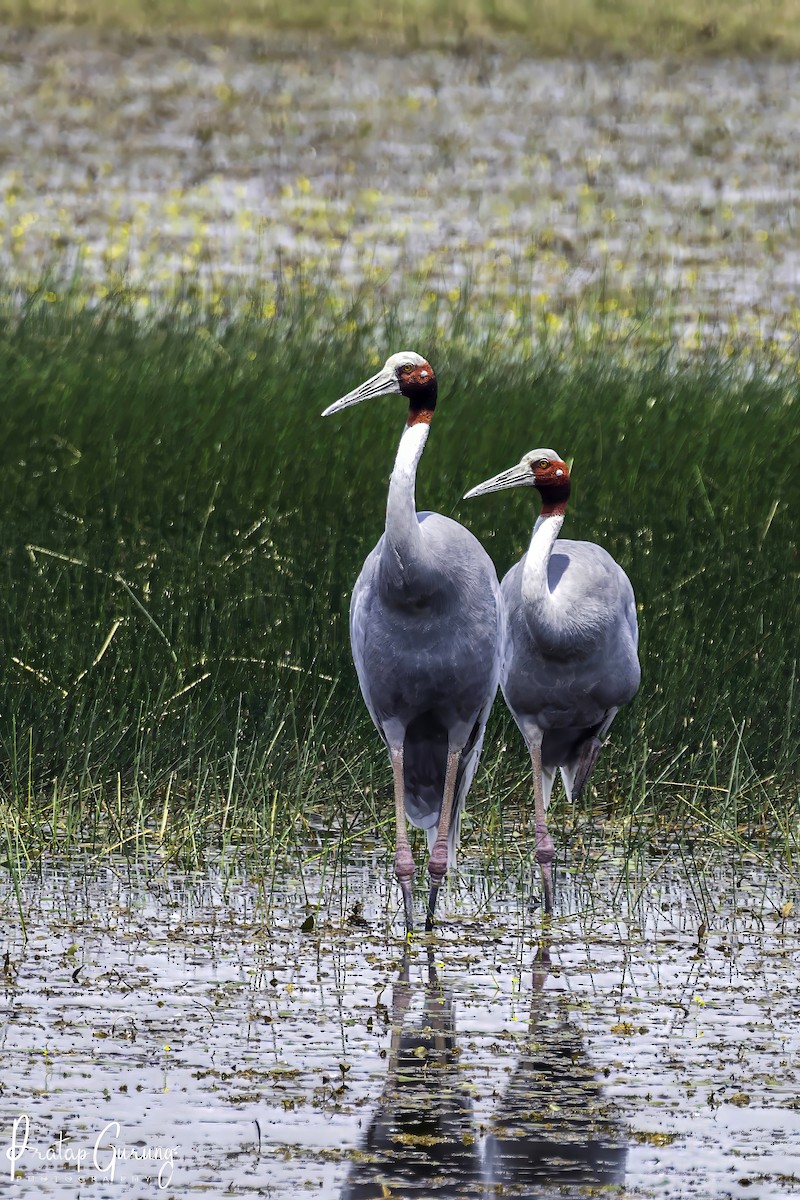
<point>574,27</point>
<point>181,533</point>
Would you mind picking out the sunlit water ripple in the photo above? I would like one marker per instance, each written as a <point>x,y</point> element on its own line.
<point>659,1051</point>
<point>174,163</point>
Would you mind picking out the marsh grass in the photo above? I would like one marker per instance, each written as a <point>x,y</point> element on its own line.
<point>182,531</point>
<point>583,27</point>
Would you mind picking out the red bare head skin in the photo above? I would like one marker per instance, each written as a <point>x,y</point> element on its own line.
<point>551,479</point>
<point>419,386</point>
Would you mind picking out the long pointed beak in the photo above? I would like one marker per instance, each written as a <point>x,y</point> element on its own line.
<point>383,384</point>
<point>517,476</point>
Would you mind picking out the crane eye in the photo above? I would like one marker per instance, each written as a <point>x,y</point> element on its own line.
<point>543,463</point>
<point>407,368</point>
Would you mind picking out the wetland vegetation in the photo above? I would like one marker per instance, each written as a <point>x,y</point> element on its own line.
<point>203,241</point>
<point>238,238</point>
<point>574,27</point>
<point>182,533</point>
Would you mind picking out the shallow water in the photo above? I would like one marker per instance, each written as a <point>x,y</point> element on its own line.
<point>657,1052</point>
<point>528,182</point>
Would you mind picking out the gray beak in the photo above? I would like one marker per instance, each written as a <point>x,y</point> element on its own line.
<point>383,384</point>
<point>519,476</point>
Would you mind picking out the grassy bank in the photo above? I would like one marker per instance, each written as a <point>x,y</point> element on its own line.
<point>582,27</point>
<point>181,532</point>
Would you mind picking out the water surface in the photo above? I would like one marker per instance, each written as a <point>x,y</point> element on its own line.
<point>656,1053</point>
<point>527,183</point>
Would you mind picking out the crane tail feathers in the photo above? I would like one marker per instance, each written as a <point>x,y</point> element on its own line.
<point>590,751</point>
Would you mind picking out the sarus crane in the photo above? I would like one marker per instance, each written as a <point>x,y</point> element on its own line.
<point>570,658</point>
<point>426,629</point>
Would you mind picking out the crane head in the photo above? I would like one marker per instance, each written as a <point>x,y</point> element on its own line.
<point>406,374</point>
<point>543,469</point>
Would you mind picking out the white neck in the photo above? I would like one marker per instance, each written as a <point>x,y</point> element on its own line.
<point>403,538</point>
<point>539,604</point>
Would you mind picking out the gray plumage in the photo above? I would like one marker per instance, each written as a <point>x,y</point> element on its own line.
<point>426,628</point>
<point>570,658</point>
<point>424,635</point>
<point>574,676</point>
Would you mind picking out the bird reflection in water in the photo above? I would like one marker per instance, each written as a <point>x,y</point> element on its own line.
<point>422,1138</point>
<point>551,1134</point>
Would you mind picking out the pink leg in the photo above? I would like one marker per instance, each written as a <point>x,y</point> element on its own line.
<point>437,864</point>
<point>545,850</point>
<point>403,861</point>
